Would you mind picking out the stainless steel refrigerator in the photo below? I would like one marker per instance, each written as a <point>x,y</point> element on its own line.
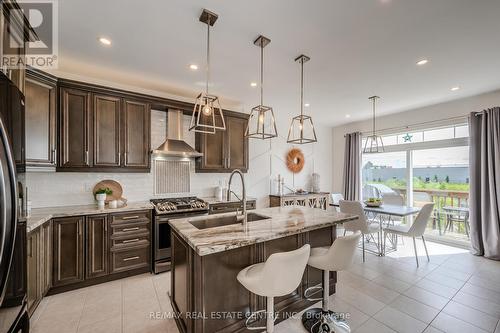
<point>13,313</point>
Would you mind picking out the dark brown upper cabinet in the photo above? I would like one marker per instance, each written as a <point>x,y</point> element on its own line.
<point>106,114</point>
<point>136,134</point>
<point>41,126</point>
<point>226,150</point>
<point>103,132</point>
<point>68,251</point>
<point>75,128</point>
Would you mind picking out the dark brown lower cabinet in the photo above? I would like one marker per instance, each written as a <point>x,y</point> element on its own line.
<point>97,246</point>
<point>68,250</point>
<point>33,264</point>
<point>45,257</point>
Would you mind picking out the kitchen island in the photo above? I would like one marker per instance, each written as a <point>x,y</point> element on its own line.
<point>208,253</point>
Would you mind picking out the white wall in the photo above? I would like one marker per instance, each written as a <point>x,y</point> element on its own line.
<point>437,112</point>
<point>266,161</point>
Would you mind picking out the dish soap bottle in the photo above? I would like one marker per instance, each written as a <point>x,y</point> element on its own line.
<point>218,192</point>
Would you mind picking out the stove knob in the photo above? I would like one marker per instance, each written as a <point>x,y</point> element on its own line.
<point>161,208</point>
<point>173,207</point>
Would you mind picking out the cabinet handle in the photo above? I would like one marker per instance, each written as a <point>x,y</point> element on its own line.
<point>130,217</point>
<point>54,151</point>
<point>130,240</point>
<point>87,157</point>
<point>131,229</point>
<point>125,158</point>
<point>30,248</point>
<point>131,258</point>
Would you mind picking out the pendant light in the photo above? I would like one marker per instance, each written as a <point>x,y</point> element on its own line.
<point>261,122</point>
<point>207,113</point>
<point>301,129</point>
<point>374,143</point>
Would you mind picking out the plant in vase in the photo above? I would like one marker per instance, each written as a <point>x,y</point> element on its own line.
<point>100,196</point>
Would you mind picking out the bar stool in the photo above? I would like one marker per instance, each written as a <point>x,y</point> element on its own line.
<point>280,275</point>
<point>337,257</point>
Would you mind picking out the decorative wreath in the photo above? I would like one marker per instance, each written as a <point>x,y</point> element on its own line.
<point>295,160</point>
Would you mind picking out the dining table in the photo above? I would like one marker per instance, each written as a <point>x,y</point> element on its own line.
<point>385,215</point>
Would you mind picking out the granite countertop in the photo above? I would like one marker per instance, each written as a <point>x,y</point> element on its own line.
<point>41,215</point>
<point>213,200</point>
<point>282,222</point>
<point>299,194</point>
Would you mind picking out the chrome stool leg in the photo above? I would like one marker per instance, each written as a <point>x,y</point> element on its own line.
<point>269,315</point>
<point>323,320</point>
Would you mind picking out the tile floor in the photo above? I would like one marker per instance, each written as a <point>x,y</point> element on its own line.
<point>456,292</point>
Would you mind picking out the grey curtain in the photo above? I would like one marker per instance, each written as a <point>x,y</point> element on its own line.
<point>352,156</point>
<point>485,183</point>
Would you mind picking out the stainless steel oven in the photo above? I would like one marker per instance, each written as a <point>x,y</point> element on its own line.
<point>166,210</point>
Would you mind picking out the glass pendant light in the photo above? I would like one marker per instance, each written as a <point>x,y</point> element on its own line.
<point>374,143</point>
<point>261,122</point>
<point>207,113</point>
<point>301,129</point>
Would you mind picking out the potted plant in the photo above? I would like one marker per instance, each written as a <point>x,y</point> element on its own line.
<point>101,194</point>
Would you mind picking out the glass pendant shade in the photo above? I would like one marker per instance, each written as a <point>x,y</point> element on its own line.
<point>373,143</point>
<point>301,129</point>
<point>207,114</point>
<point>261,122</point>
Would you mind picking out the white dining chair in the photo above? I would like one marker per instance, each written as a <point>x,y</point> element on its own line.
<point>360,224</point>
<point>417,229</point>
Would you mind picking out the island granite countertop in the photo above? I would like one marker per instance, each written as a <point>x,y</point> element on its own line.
<point>282,222</point>
<point>41,215</point>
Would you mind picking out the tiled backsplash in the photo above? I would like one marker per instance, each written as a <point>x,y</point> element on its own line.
<point>48,189</point>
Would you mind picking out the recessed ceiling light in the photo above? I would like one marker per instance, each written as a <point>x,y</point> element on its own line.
<point>422,62</point>
<point>348,116</point>
<point>253,84</point>
<point>455,88</point>
<point>193,67</point>
<point>105,41</point>
<point>307,105</point>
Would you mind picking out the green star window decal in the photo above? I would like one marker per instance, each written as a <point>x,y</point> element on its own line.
<point>407,137</point>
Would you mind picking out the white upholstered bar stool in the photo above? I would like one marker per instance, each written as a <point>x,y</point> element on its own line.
<point>280,275</point>
<point>361,223</point>
<point>337,257</point>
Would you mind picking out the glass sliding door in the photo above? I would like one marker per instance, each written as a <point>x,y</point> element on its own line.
<point>441,175</point>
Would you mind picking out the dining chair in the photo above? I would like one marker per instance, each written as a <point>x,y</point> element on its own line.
<point>360,224</point>
<point>417,229</point>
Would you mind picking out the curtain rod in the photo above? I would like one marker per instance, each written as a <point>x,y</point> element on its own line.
<point>418,124</point>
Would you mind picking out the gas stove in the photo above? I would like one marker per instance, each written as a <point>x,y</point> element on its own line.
<point>179,205</point>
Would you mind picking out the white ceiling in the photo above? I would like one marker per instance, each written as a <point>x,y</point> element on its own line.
<point>358,48</point>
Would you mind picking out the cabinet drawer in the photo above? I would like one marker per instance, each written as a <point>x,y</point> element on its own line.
<point>130,242</point>
<point>130,229</point>
<point>130,259</point>
<point>130,217</point>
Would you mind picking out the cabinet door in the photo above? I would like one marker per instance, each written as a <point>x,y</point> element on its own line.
<point>237,144</point>
<point>67,250</point>
<point>75,128</point>
<point>46,257</point>
<point>40,123</point>
<point>97,248</point>
<point>136,132</point>
<point>33,264</point>
<point>106,130</point>
<point>213,147</point>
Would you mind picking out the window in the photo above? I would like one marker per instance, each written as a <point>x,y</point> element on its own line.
<point>417,167</point>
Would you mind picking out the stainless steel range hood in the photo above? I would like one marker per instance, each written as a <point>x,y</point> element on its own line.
<point>175,144</point>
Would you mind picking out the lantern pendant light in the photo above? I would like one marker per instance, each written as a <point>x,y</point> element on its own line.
<point>374,143</point>
<point>207,113</point>
<point>261,122</point>
<point>301,129</point>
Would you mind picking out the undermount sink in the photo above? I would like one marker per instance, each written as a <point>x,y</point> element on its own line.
<point>220,221</point>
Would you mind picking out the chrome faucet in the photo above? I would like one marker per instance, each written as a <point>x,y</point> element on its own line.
<point>244,194</point>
